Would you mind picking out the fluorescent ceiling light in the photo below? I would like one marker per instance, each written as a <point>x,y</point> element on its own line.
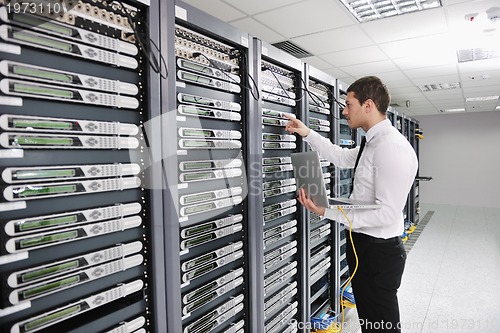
<point>481,99</point>
<point>454,110</point>
<point>439,86</point>
<point>369,10</point>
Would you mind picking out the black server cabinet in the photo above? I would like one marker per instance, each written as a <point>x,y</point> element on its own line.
<point>212,93</point>
<point>322,240</point>
<point>77,214</point>
<point>282,254</point>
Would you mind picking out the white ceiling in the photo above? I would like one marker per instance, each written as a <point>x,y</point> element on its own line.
<point>404,51</point>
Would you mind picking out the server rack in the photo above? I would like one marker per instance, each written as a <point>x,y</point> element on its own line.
<point>77,216</point>
<point>321,116</point>
<point>346,138</point>
<point>212,97</point>
<point>284,260</point>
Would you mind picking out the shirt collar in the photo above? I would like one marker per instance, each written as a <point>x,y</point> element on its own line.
<point>377,128</point>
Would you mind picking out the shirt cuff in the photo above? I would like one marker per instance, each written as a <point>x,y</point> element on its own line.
<point>331,214</point>
<point>311,136</point>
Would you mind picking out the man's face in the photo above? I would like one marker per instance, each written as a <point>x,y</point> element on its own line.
<point>354,111</point>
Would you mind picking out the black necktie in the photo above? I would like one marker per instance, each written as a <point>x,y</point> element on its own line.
<point>362,146</point>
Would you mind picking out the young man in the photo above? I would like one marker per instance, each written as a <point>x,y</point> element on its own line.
<point>384,174</point>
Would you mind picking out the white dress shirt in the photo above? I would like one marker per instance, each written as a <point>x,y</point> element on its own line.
<point>385,174</point>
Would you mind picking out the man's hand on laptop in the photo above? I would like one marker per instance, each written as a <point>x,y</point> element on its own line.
<point>309,204</point>
<point>296,126</point>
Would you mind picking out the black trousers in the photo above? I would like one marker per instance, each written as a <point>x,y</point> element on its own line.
<point>376,282</point>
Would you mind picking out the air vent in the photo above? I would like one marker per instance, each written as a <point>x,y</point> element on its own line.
<point>439,86</point>
<point>475,54</point>
<point>293,49</point>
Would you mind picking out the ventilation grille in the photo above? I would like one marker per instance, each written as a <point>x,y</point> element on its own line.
<point>439,86</point>
<point>293,49</point>
<point>475,54</point>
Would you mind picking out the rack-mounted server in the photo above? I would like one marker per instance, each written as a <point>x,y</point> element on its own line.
<point>76,214</point>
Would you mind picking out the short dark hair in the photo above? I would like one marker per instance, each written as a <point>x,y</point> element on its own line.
<point>371,87</point>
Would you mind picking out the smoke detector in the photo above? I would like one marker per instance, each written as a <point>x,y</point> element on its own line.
<point>493,14</point>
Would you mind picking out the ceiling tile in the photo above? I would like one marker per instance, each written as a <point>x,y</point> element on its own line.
<point>369,68</point>
<point>258,30</point>
<point>431,72</point>
<point>430,60</point>
<point>333,40</point>
<point>397,76</point>
<point>344,80</point>
<point>354,56</point>
<point>317,62</point>
<point>217,8</point>
<point>257,6</point>
<point>436,79</point>
<point>424,23</point>
<point>299,19</point>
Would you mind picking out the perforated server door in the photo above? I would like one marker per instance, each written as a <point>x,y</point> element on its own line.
<point>321,116</point>
<point>75,214</point>
<point>211,92</point>
<point>281,90</point>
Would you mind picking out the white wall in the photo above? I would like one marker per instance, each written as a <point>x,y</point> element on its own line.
<point>462,154</point>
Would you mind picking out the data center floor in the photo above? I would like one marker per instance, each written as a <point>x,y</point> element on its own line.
<point>451,283</point>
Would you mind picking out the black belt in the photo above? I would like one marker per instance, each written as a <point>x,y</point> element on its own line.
<point>359,237</point>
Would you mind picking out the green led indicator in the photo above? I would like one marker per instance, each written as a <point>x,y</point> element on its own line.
<point>197,209</point>
<point>271,168</point>
<point>196,67</point>
<point>197,133</point>
<point>43,141</point>
<point>200,240</point>
<point>198,144</point>
<point>33,324</point>
<point>197,165</point>
<point>271,137</point>
<point>198,230</point>
<point>36,241</point>
<point>41,74</point>
<point>196,78</point>
<point>43,289</point>
<point>31,225</point>
<point>202,290</point>
<point>271,145</point>
<point>271,193</point>
<point>270,121</point>
<point>37,174</point>
<point>196,111</point>
<point>271,217</point>
<point>200,271</point>
<point>47,271</point>
<point>197,176</point>
<point>31,191</point>
<point>28,123</point>
<point>199,197</point>
<point>30,20</point>
<point>42,41</point>
<point>271,113</point>
<point>196,99</point>
<point>272,184</point>
<point>270,208</point>
<point>36,90</point>
<point>271,160</point>
<point>200,260</point>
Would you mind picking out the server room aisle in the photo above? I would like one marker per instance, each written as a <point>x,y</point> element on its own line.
<point>451,279</point>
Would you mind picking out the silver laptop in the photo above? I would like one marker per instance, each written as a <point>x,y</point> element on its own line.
<point>308,175</point>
